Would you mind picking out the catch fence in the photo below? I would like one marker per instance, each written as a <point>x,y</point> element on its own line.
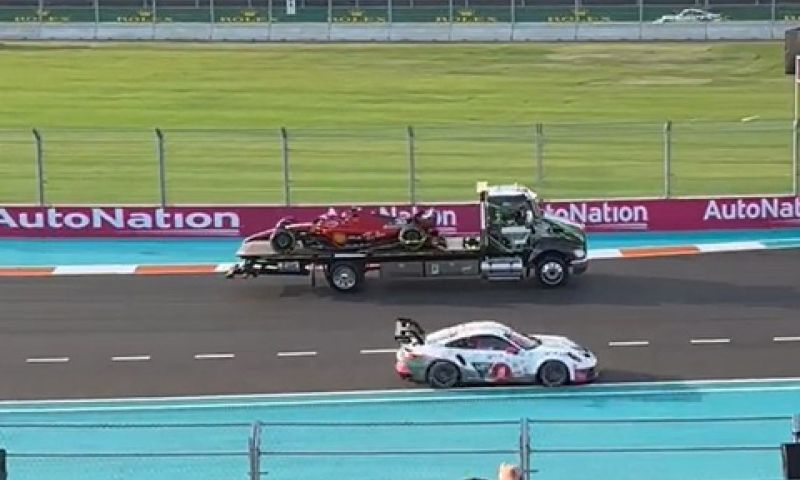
<point>257,12</point>
<point>604,449</point>
<point>416,164</point>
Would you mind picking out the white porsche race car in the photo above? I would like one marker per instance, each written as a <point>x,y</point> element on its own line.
<point>489,353</point>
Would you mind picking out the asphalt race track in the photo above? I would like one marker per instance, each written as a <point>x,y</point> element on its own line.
<point>731,315</point>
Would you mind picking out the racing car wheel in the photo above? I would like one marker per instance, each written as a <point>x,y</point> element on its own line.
<point>412,237</point>
<point>282,241</point>
<point>443,375</point>
<point>553,373</point>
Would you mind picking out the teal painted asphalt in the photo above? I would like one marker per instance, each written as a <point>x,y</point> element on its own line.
<point>52,252</point>
<point>721,430</point>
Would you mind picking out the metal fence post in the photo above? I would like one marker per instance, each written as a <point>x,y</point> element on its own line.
<point>38,147</point>
<point>773,12</point>
<point>668,159</point>
<point>641,18</point>
<point>412,166</point>
<point>525,449</point>
<point>287,191</point>
<point>538,153</point>
<point>254,452</point>
<point>795,155</point>
<point>330,18</point>
<point>212,18</point>
<point>162,171</point>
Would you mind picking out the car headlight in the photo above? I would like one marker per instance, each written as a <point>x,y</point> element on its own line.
<point>579,253</point>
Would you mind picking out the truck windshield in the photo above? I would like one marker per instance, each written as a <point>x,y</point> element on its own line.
<point>523,341</point>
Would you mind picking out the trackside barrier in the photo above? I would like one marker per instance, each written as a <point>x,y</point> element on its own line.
<point>415,164</point>
<point>710,448</point>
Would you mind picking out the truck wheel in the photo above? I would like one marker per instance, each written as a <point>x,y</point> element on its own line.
<point>345,277</point>
<point>552,271</point>
<point>553,374</point>
<point>443,375</point>
<point>282,241</point>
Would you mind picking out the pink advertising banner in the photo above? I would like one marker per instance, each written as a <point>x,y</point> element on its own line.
<point>237,221</point>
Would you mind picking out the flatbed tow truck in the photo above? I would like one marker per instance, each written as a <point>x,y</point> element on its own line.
<point>517,240</point>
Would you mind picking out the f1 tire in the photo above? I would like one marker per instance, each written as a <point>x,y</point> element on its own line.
<point>283,241</point>
<point>552,271</point>
<point>345,277</point>
<point>443,375</point>
<point>553,373</point>
<point>412,237</point>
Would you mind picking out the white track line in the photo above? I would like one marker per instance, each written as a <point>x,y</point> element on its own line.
<point>378,350</point>
<point>786,339</point>
<point>296,354</point>
<point>629,343</point>
<point>709,341</point>
<point>47,360</point>
<point>131,358</point>
<point>213,356</point>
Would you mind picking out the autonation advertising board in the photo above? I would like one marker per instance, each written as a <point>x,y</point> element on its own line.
<point>237,221</point>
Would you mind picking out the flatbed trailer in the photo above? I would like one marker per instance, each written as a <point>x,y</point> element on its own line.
<point>346,271</point>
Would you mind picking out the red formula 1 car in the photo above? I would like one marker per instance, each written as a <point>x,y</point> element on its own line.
<point>355,230</point>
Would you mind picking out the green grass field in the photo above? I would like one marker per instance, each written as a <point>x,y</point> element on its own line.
<point>346,107</point>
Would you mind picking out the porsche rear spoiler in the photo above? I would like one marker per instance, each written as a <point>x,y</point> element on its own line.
<point>407,331</point>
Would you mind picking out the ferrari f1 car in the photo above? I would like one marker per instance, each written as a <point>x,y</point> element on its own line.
<point>354,230</point>
<point>487,352</point>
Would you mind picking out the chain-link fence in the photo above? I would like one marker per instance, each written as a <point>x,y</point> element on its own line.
<point>634,448</point>
<point>386,164</point>
<point>391,11</point>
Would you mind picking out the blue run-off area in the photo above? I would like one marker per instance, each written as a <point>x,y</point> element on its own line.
<point>53,252</point>
<point>667,431</point>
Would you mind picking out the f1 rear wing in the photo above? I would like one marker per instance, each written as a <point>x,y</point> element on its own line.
<point>407,331</point>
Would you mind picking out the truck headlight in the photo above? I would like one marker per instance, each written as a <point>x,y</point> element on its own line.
<point>579,253</point>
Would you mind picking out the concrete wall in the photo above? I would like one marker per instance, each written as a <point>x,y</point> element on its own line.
<point>428,32</point>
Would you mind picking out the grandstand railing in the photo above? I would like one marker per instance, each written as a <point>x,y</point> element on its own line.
<point>396,164</point>
<point>654,448</point>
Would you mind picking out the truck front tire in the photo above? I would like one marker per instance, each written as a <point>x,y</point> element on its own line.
<point>552,270</point>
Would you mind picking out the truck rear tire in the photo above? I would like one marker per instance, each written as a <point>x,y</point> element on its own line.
<point>345,277</point>
<point>552,270</point>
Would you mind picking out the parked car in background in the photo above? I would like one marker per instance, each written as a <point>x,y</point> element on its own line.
<point>690,15</point>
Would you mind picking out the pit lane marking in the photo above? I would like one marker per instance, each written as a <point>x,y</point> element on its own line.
<point>629,343</point>
<point>709,341</point>
<point>297,354</point>
<point>378,351</point>
<point>47,360</point>
<point>786,339</point>
<point>213,356</point>
<point>131,358</point>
